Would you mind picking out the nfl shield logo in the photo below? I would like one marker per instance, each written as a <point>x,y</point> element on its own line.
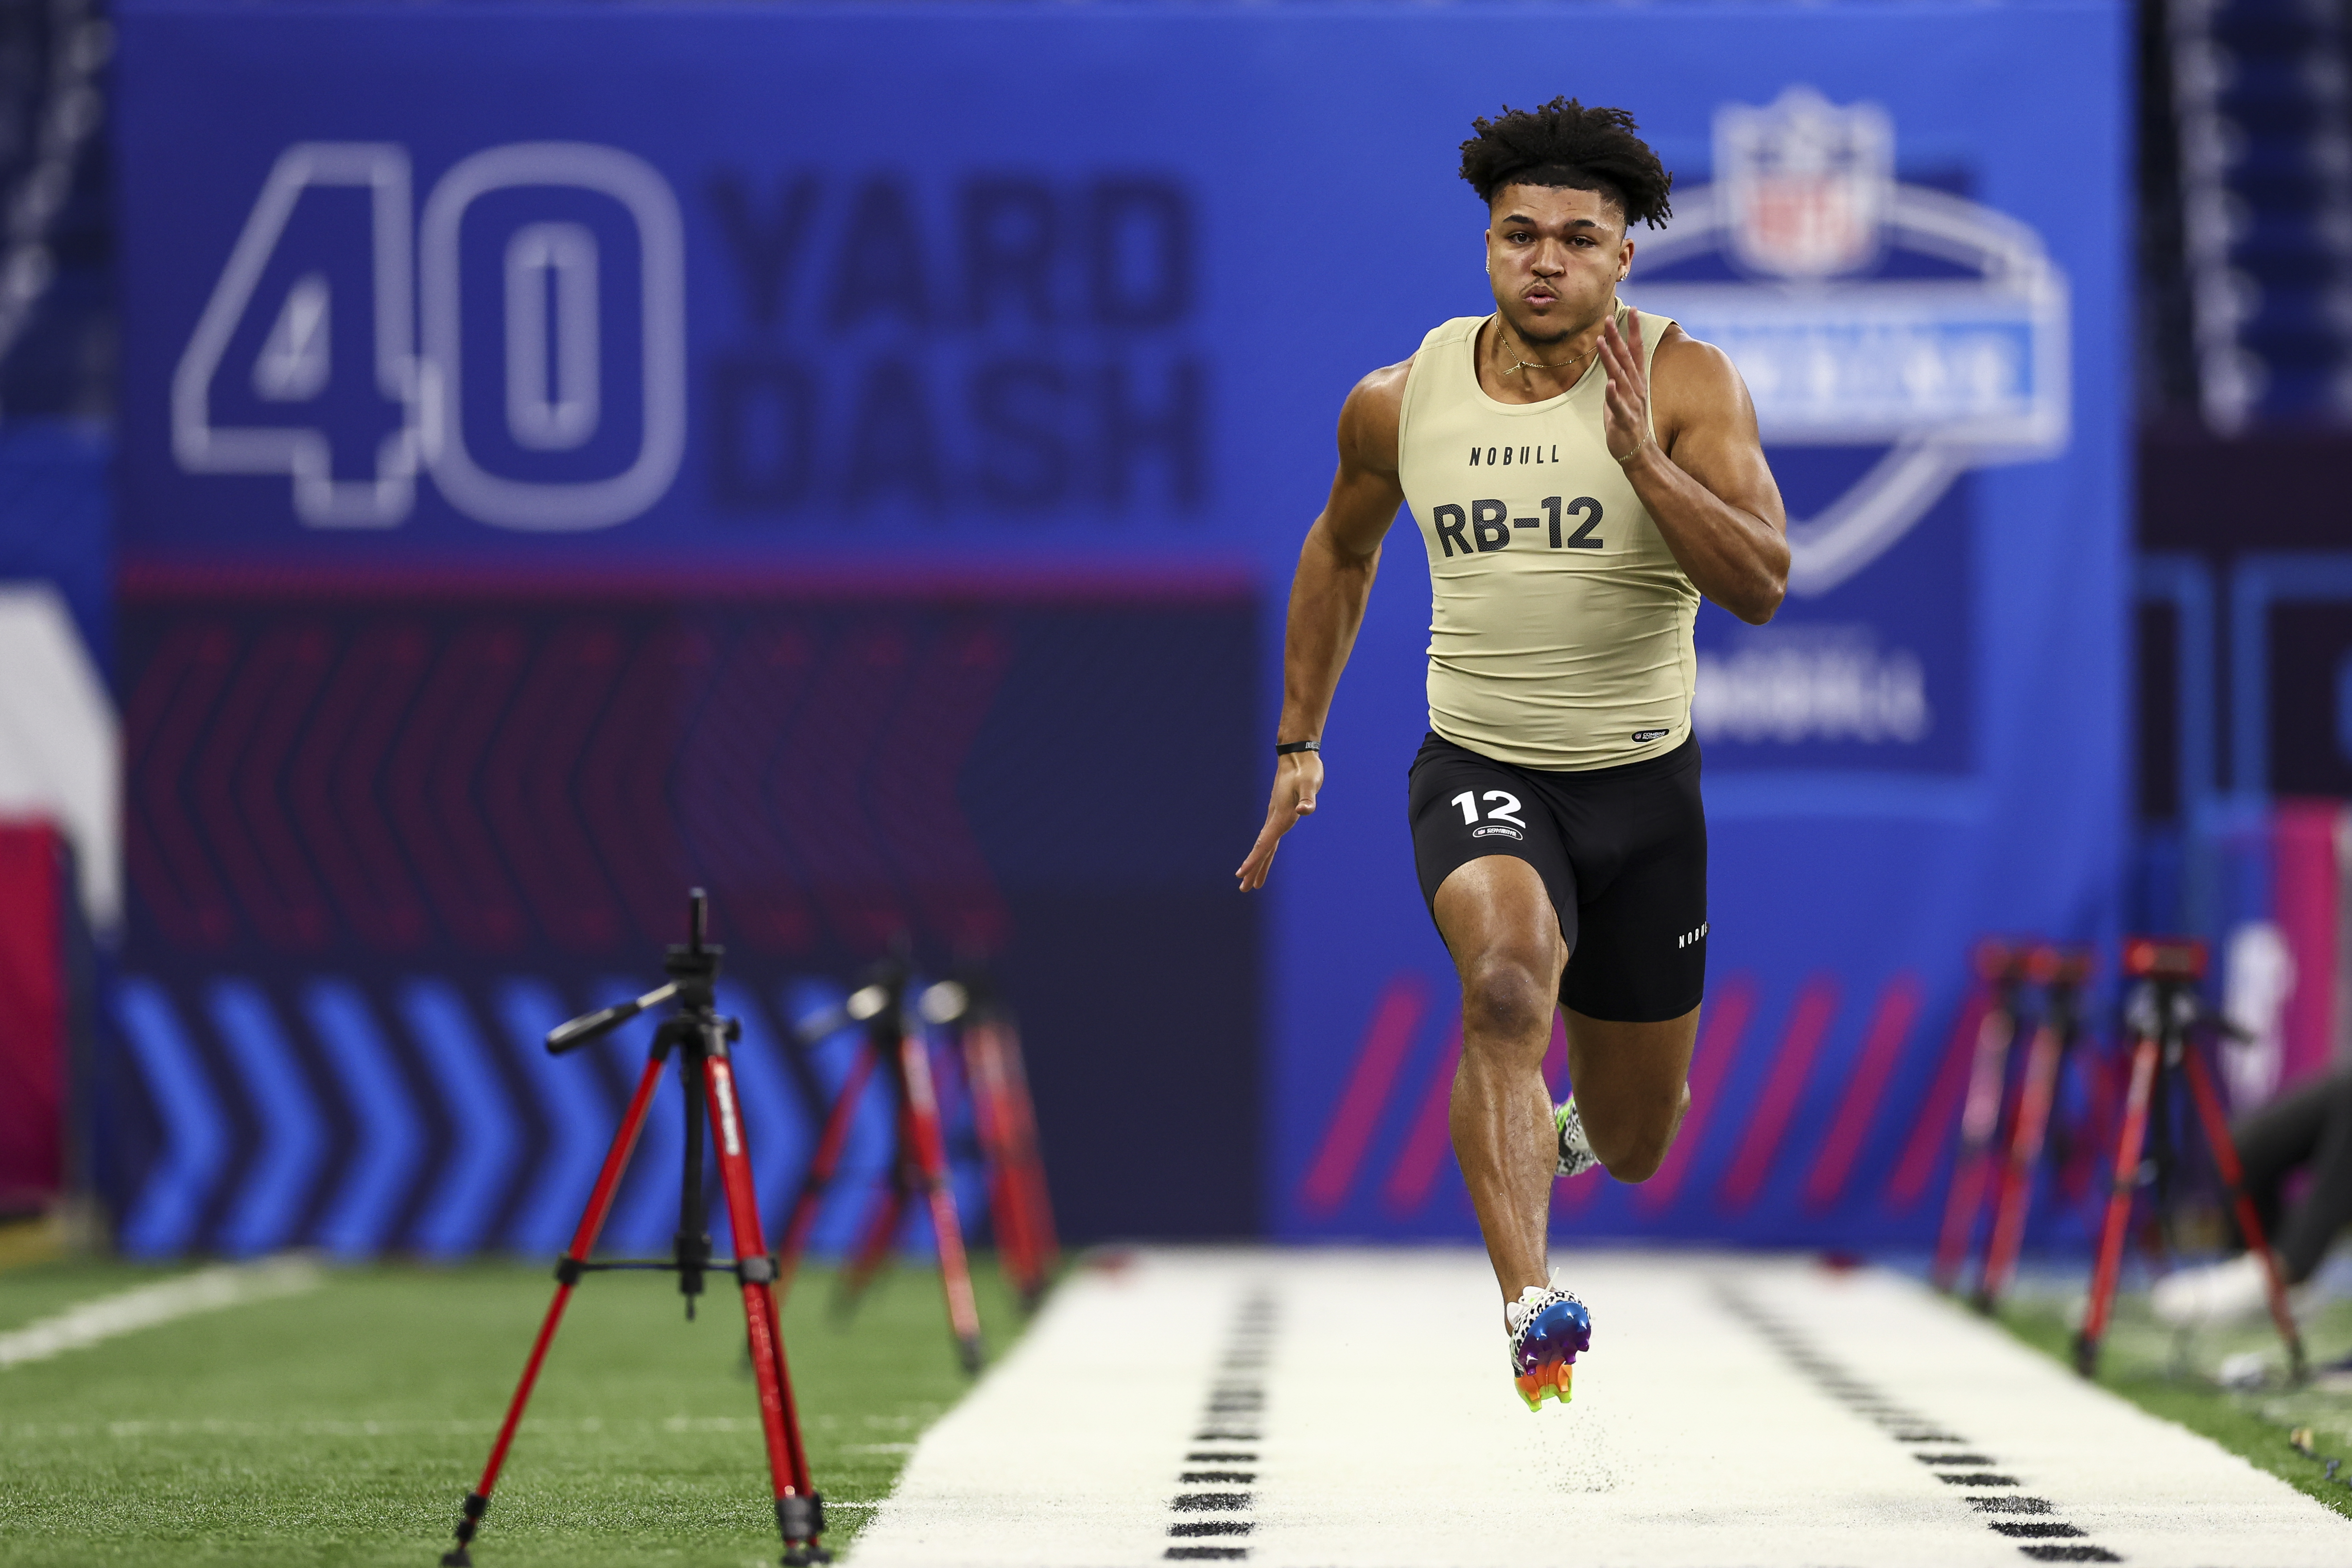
<point>1808,183</point>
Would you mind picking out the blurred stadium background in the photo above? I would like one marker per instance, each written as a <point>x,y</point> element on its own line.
<point>467,473</point>
<point>423,730</point>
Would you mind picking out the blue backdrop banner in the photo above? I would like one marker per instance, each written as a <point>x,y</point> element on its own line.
<point>882,310</point>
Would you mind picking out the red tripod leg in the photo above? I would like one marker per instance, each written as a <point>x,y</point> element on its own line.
<point>2120,1205</point>
<point>1038,1204</point>
<point>567,1275</point>
<point>799,1512</point>
<point>865,1259</point>
<point>2024,1156</point>
<point>822,1167</point>
<point>992,1109</point>
<point>1979,1120</point>
<point>920,1118</point>
<point>2250,1224</point>
<point>874,1243</point>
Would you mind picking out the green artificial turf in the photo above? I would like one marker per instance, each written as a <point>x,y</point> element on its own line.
<point>2176,1377</point>
<point>343,1425</point>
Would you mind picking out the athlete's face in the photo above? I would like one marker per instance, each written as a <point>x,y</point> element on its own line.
<point>1554,257</point>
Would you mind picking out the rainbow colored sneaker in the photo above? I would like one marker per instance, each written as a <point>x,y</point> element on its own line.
<point>1548,1328</point>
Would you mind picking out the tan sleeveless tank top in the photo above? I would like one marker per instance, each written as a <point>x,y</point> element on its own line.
<point>1560,624</point>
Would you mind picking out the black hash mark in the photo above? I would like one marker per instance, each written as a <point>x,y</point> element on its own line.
<point>1906,1426</point>
<point>1234,1407</point>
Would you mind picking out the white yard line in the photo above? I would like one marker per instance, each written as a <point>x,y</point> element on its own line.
<point>1733,1413</point>
<point>127,1312</point>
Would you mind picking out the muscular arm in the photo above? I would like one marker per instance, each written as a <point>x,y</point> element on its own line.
<point>1704,478</point>
<point>1342,553</point>
<point>1336,567</point>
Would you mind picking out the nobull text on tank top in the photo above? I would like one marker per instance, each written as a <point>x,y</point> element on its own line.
<point>1559,627</point>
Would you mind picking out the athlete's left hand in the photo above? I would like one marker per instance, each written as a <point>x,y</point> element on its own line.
<point>1625,422</point>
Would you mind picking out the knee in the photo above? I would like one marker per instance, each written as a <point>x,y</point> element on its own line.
<point>1639,1160</point>
<point>1505,998</point>
<point>1638,1150</point>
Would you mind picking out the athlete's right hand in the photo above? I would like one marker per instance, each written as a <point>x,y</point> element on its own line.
<point>1297,779</point>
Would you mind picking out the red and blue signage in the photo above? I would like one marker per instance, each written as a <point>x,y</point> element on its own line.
<point>855,455</point>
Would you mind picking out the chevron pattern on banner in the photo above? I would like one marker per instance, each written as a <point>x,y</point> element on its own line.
<point>397,778</point>
<point>427,1116</point>
<point>384,831</point>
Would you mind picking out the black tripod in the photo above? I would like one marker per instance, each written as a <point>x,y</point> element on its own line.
<point>700,1036</point>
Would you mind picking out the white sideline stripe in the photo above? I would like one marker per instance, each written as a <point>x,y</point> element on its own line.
<point>1391,1436</point>
<point>127,1312</point>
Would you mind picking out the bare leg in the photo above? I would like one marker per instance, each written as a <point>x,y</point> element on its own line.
<point>1632,1086</point>
<point>1498,923</point>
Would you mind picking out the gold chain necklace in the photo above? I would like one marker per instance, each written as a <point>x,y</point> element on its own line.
<point>1517,365</point>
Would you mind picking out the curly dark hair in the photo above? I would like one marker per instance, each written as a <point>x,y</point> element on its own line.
<point>1566,145</point>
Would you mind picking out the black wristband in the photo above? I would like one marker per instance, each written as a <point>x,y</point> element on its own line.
<point>1289,747</point>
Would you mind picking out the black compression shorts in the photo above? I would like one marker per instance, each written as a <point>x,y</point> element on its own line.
<point>1622,852</point>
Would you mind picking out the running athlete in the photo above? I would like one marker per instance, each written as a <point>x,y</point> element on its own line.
<point>1582,474</point>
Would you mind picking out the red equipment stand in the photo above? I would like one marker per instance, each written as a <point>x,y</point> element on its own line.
<point>918,1160</point>
<point>1021,1210</point>
<point>2062,974</point>
<point>2163,1016</point>
<point>702,1038</point>
<point>2002,969</point>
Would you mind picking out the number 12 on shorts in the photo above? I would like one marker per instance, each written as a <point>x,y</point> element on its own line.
<point>1506,812</point>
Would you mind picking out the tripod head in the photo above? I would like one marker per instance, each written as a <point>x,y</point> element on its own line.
<point>2058,968</point>
<point>2062,973</point>
<point>970,995</point>
<point>2166,1003</point>
<point>700,1035</point>
<point>880,1001</point>
<point>2177,959</point>
<point>2000,964</point>
<point>693,970</point>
